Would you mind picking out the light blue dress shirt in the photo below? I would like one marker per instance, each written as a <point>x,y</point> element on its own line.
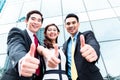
<point>69,53</point>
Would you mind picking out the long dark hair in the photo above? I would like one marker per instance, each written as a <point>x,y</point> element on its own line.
<point>47,41</point>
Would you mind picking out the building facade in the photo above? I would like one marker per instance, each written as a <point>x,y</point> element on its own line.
<point>100,16</point>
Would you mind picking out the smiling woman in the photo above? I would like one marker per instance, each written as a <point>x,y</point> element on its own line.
<point>93,16</point>
<point>51,35</point>
<point>51,40</point>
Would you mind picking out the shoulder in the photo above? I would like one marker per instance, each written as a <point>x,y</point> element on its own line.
<point>87,32</point>
<point>15,32</point>
<point>66,42</point>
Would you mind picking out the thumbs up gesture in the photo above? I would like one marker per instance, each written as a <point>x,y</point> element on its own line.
<point>56,50</point>
<point>29,64</point>
<point>53,60</point>
<point>87,50</point>
<point>51,56</point>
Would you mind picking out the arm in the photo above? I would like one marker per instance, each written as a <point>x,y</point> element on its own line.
<point>20,55</point>
<point>15,44</point>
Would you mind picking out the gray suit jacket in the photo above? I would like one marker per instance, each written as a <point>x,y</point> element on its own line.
<point>18,42</point>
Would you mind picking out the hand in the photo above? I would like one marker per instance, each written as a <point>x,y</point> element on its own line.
<point>87,51</point>
<point>53,60</point>
<point>29,63</point>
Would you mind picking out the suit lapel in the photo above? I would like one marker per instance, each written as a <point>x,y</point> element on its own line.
<point>27,39</point>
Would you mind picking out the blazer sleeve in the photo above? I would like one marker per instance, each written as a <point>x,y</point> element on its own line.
<point>16,46</point>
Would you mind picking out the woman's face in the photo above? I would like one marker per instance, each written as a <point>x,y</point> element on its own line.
<point>52,33</point>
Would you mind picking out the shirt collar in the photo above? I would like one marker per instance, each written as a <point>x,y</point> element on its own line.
<point>30,34</point>
<point>75,36</point>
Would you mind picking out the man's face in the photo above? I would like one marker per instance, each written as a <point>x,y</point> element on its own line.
<point>72,25</point>
<point>34,22</point>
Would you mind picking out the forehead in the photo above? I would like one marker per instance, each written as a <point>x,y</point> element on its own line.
<point>70,19</point>
<point>35,15</point>
<point>52,27</point>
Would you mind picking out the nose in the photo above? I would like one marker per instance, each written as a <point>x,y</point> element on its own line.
<point>71,25</point>
<point>35,21</point>
<point>52,31</point>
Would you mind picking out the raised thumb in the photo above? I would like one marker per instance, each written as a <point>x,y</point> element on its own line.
<point>82,40</point>
<point>32,50</point>
<point>56,50</point>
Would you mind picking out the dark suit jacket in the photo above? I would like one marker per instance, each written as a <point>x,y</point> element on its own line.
<point>85,70</point>
<point>18,42</point>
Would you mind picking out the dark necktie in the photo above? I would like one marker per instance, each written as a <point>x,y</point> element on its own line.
<point>36,43</point>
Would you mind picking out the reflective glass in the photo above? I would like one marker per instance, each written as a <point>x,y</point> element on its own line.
<point>110,52</point>
<point>114,3</point>
<point>3,43</point>
<point>51,9</point>
<point>11,13</point>
<point>107,29</point>
<point>2,62</point>
<point>96,4</point>
<point>70,6</point>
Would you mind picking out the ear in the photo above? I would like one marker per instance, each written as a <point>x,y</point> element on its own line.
<point>26,21</point>
<point>58,33</point>
<point>78,24</point>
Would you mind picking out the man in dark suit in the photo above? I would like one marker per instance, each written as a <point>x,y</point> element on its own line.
<point>21,48</point>
<point>86,53</point>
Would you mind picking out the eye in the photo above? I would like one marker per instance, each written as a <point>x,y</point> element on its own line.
<point>33,18</point>
<point>54,29</point>
<point>49,29</point>
<point>68,23</point>
<point>39,20</point>
<point>74,22</point>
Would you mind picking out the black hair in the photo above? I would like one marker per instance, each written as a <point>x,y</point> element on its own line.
<point>72,15</point>
<point>32,12</point>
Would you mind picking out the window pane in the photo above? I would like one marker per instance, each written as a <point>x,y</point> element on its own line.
<point>110,52</point>
<point>107,29</point>
<point>96,4</point>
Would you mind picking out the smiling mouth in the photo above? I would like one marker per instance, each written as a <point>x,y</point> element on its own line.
<point>52,35</point>
<point>71,30</point>
<point>35,26</point>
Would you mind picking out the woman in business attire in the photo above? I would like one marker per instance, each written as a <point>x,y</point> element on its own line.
<point>57,73</point>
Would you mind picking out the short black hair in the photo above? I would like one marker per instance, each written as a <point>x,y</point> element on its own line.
<point>32,12</point>
<point>72,15</point>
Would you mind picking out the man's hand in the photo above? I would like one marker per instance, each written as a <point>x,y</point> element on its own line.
<point>29,63</point>
<point>87,51</point>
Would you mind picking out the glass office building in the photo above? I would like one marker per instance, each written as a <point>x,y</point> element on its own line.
<point>100,16</point>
